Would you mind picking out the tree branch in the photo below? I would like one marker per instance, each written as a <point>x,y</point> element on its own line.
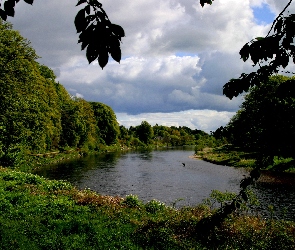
<point>274,22</point>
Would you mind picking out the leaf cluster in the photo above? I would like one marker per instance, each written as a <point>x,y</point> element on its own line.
<point>8,8</point>
<point>98,35</point>
<point>270,53</point>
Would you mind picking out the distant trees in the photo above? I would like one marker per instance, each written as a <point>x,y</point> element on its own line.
<point>145,132</point>
<point>158,135</point>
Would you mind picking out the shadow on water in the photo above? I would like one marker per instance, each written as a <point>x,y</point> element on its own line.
<point>160,175</point>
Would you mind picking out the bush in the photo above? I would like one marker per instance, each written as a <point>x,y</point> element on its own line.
<point>132,201</point>
<point>154,206</point>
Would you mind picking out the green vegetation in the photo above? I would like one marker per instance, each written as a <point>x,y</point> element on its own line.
<point>40,214</point>
<point>262,130</point>
<point>37,114</point>
<point>227,155</point>
<point>145,135</point>
<point>39,119</point>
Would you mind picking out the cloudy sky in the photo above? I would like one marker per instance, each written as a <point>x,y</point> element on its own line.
<point>176,55</point>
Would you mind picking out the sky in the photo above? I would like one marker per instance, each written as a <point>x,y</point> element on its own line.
<point>176,56</point>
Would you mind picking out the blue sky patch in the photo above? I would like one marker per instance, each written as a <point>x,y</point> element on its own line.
<point>263,14</point>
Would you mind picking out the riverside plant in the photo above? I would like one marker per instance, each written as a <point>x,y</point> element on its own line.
<point>41,214</point>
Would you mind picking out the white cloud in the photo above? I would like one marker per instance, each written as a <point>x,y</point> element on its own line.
<point>206,120</point>
<point>152,84</point>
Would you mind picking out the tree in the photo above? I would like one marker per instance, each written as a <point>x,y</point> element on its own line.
<point>145,132</point>
<point>265,122</point>
<point>107,126</point>
<point>29,113</point>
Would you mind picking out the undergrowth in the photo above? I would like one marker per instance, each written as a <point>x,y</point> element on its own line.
<point>40,214</point>
<point>236,157</point>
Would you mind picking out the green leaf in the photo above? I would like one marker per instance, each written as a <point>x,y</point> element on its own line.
<point>80,21</point>
<point>9,7</point>
<point>87,9</point>
<point>278,25</point>
<point>117,30</point>
<point>84,45</point>
<point>3,15</point>
<point>103,58</point>
<point>244,52</point>
<point>283,59</point>
<point>244,196</point>
<point>92,52</point>
<point>202,2</point>
<point>80,2</point>
<point>259,38</point>
<point>116,53</point>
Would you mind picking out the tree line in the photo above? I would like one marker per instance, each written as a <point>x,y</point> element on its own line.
<point>38,115</point>
<point>145,135</point>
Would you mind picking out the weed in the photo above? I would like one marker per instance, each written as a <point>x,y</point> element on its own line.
<point>154,206</point>
<point>132,201</point>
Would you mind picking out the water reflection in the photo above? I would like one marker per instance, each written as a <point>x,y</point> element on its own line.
<point>161,175</point>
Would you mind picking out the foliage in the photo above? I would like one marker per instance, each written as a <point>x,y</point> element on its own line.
<point>154,206</point>
<point>29,116</point>
<point>226,197</point>
<point>265,122</point>
<point>40,214</point>
<point>98,34</point>
<point>132,201</point>
<point>270,53</point>
<point>208,141</point>
<point>228,155</point>
<point>37,114</point>
<point>144,132</point>
<point>106,122</point>
<point>145,135</point>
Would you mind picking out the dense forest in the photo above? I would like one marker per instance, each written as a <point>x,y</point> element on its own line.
<point>265,121</point>
<point>38,115</point>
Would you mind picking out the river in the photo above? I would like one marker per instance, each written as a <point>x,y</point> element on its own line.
<point>168,175</point>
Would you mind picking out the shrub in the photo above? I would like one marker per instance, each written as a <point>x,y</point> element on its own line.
<point>132,201</point>
<point>154,206</point>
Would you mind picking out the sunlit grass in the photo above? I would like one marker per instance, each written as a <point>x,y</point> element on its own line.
<point>236,157</point>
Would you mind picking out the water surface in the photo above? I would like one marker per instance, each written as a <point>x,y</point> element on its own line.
<point>161,175</point>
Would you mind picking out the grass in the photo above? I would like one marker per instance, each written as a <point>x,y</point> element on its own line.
<point>40,214</point>
<point>235,157</point>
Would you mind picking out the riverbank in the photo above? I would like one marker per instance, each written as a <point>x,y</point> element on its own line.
<point>40,214</point>
<point>235,157</point>
<point>32,162</point>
